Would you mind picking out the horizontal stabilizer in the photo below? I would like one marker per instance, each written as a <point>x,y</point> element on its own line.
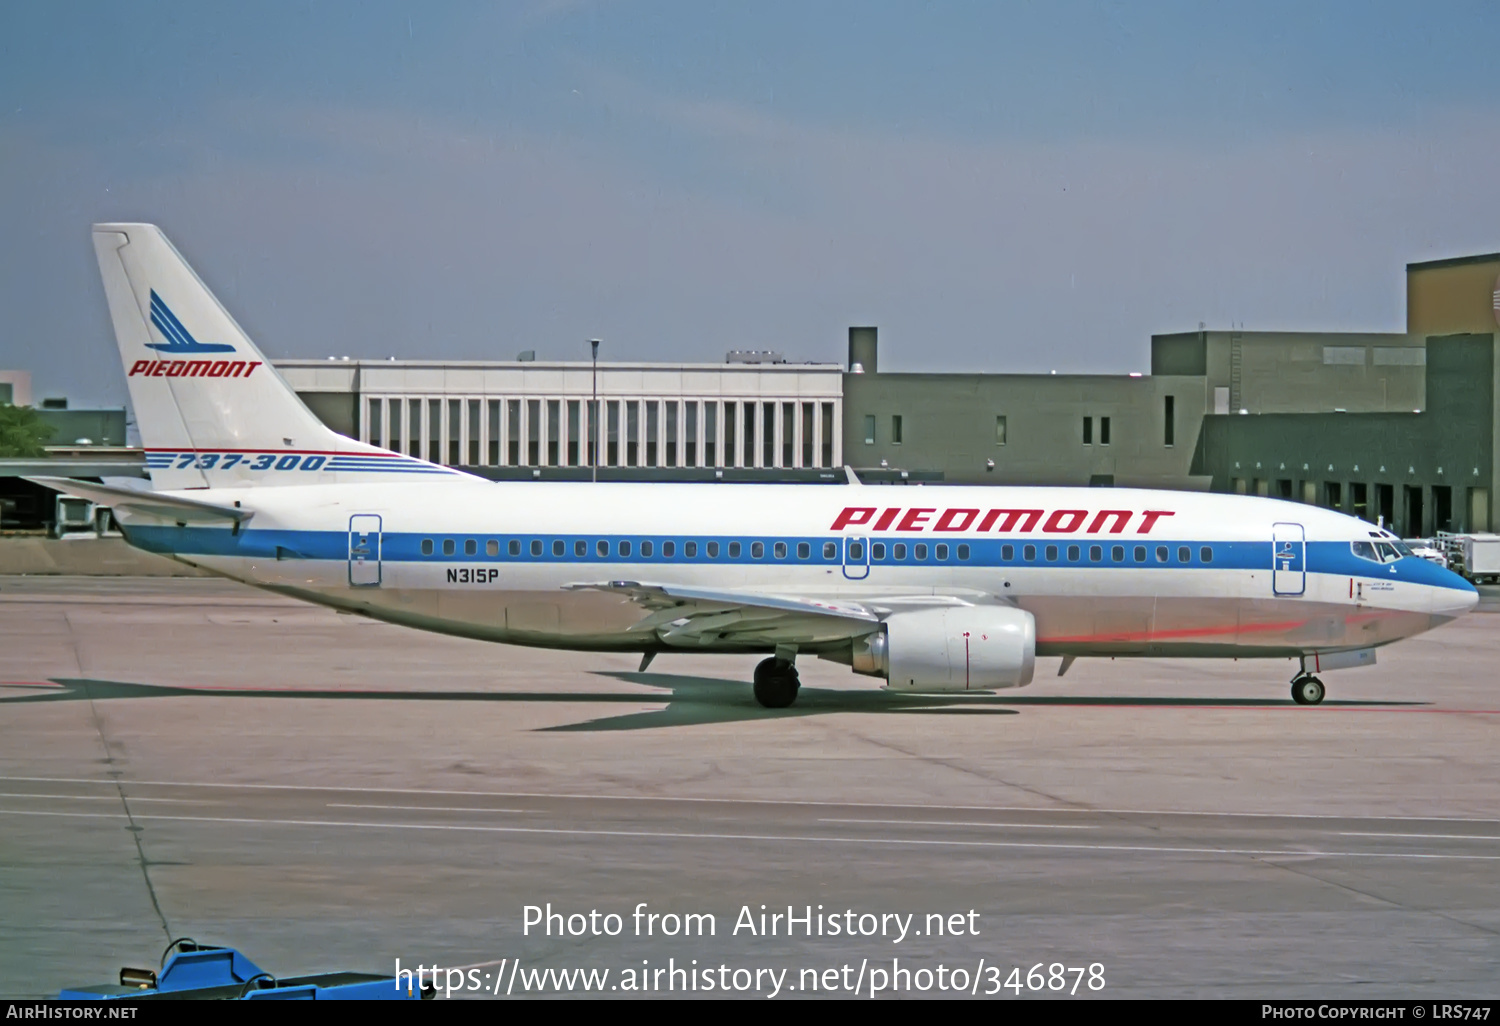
<point>154,504</point>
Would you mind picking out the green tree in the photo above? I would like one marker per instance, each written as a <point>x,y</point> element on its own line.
<point>22,432</point>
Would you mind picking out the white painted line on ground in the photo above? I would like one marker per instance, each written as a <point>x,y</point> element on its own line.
<point>114,798</point>
<point>1445,837</point>
<point>650,835</point>
<point>961,823</point>
<point>1030,809</point>
<point>421,808</point>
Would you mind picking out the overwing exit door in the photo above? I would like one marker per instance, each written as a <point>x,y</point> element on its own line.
<point>856,558</point>
<point>1289,559</point>
<point>364,550</point>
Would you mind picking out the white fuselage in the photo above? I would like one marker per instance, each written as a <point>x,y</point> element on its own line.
<point>1103,571</point>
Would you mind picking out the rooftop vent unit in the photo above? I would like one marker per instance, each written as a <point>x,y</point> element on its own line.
<point>753,356</point>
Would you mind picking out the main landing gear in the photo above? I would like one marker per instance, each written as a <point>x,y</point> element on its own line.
<point>776,683</point>
<point>1307,689</point>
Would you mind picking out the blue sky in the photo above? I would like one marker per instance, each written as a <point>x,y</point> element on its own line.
<point>997,186</point>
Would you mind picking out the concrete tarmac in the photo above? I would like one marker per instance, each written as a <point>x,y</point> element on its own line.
<point>191,757</point>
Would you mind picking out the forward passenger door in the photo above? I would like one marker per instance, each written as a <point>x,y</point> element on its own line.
<point>1289,559</point>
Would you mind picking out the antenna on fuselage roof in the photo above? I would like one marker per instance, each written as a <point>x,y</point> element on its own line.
<point>849,473</point>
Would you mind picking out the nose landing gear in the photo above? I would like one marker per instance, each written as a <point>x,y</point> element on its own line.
<point>1307,689</point>
<point>776,683</point>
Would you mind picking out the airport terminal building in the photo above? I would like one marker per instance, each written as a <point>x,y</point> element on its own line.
<point>525,418</point>
<point>1401,428</point>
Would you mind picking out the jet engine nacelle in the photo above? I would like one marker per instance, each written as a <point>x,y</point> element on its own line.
<point>964,648</point>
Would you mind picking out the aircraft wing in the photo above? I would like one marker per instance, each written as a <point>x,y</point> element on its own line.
<point>689,617</point>
<point>154,504</point>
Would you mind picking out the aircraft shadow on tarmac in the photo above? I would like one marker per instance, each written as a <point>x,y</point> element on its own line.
<point>688,700</point>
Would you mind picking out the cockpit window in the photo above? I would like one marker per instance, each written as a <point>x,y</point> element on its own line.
<point>1379,552</point>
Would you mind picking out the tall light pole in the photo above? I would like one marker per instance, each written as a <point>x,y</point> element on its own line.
<point>594,416</point>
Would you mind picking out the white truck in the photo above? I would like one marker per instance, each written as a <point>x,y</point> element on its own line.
<point>1476,556</point>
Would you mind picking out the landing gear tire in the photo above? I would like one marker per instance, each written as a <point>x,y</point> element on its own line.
<point>776,683</point>
<point>1307,690</point>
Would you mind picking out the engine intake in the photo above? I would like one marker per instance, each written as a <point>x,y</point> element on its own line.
<point>965,648</point>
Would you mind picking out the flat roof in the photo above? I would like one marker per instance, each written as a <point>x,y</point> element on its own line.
<point>1427,265</point>
<point>339,361</point>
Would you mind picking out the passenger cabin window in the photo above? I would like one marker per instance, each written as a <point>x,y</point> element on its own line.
<point>1007,552</point>
<point>624,548</point>
<point>668,549</point>
<point>757,550</point>
<point>1096,553</point>
<point>646,548</point>
<point>580,548</point>
<point>734,550</point>
<point>559,547</point>
<point>471,547</point>
<point>690,549</point>
<point>1206,554</point>
<point>449,548</point>
<point>1161,553</point>
<point>426,546</point>
<point>830,550</point>
<point>1051,553</point>
<point>1028,553</point>
<point>602,548</point>
<point>942,552</point>
<point>804,550</point>
<point>877,550</point>
<point>920,551</point>
<point>1140,553</point>
<point>536,546</point>
<point>713,550</point>
<point>492,547</point>
<point>780,550</point>
<point>856,552</point>
<point>1184,554</point>
<point>963,552</point>
<point>1073,553</point>
<point>514,547</point>
<point>899,550</point>
<point>1117,553</point>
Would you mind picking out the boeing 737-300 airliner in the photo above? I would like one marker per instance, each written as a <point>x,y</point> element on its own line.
<point>930,589</point>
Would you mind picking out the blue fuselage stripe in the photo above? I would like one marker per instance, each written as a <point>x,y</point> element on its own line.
<point>406,547</point>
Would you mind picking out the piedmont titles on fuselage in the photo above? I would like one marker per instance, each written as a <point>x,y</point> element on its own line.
<point>1020,521</point>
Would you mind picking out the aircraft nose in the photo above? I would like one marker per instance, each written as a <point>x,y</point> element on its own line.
<point>1456,598</point>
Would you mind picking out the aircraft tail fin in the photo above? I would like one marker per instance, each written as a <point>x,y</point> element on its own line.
<point>211,409</point>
